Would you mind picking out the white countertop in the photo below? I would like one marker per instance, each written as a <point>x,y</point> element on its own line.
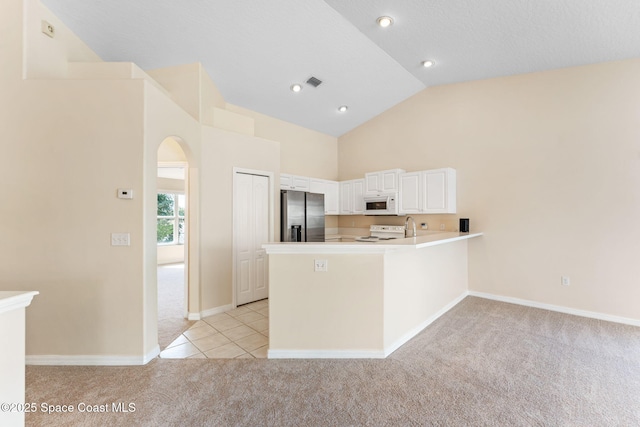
<point>408,243</point>
<point>11,300</point>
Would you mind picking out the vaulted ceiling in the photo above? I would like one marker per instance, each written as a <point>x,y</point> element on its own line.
<point>255,50</point>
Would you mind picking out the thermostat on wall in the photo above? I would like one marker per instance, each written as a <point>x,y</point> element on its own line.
<point>125,193</point>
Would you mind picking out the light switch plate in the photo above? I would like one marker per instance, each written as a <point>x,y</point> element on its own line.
<point>120,239</point>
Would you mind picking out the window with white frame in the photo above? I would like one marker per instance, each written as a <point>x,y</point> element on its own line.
<point>171,206</point>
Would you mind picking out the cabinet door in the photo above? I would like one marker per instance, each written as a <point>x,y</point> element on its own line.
<point>373,182</point>
<point>294,182</point>
<point>358,196</point>
<point>300,183</point>
<point>317,186</point>
<point>382,181</point>
<point>331,191</point>
<point>286,181</point>
<point>410,194</point>
<point>439,190</point>
<point>389,180</point>
<point>346,198</point>
<point>332,198</point>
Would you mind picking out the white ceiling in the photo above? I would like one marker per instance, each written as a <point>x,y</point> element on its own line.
<point>255,50</point>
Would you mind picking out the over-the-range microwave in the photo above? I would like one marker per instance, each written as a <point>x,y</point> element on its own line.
<point>381,204</point>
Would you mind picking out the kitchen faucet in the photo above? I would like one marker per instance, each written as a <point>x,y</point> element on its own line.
<point>406,225</point>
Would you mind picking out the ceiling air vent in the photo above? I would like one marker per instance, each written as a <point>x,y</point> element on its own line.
<point>314,82</point>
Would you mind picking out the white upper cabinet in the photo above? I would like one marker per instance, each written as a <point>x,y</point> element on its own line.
<point>439,191</point>
<point>331,191</point>
<point>410,195</point>
<point>423,192</point>
<point>429,192</point>
<point>382,181</point>
<point>294,182</point>
<point>332,198</point>
<point>352,197</point>
<point>358,196</point>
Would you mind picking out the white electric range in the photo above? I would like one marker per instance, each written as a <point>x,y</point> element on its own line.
<point>383,232</point>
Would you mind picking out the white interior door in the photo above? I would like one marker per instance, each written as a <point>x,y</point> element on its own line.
<point>251,223</point>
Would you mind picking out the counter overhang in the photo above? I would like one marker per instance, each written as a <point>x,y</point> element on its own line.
<point>409,243</point>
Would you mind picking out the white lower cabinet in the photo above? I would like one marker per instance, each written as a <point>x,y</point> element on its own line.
<point>331,191</point>
<point>352,197</point>
<point>429,192</point>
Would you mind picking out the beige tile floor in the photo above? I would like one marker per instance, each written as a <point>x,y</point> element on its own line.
<point>239,333</point>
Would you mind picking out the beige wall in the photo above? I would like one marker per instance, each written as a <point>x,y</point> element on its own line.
<point>70,144</point>
<point>66,165</point>
<point>221,152</point>
<point>337,310</point>
<point>163,119</point>
<point>419,285</point>
<point>63,145</point>
<point>183,83</point>
<point>303,151</point>
<point>364,305</point>
<point>47,57</point>
<point>547,167</point>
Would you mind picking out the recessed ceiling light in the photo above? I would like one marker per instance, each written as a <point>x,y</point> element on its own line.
<point>343,108</point>
<point>385,21</point>
<point>428,63</point>
<point>296,87</point>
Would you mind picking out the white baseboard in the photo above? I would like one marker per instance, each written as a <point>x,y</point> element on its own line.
<point>325,354</point>
<point>558,308</point>
<point>415,331</point>
<point>215,310</point>
<point>209,312</point>
<point>151,355</point>
<point>90,360</point>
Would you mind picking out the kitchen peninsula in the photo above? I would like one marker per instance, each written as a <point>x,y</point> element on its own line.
<point>358,299</point>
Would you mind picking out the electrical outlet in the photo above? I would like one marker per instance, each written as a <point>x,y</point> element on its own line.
<point>320,265</point>
<point>565,280</point>
<point>442,227</point>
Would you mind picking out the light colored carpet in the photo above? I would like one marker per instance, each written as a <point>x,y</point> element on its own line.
<point>171,321</point>
<point>484,363</point>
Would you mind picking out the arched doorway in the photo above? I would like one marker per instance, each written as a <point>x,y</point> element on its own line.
<point>172,238</point>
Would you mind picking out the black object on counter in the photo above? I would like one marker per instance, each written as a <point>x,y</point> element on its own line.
<point>464,225</point>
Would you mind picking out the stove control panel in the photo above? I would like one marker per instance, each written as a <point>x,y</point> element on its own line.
<point>388,228</point>
<point>388,231</point>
